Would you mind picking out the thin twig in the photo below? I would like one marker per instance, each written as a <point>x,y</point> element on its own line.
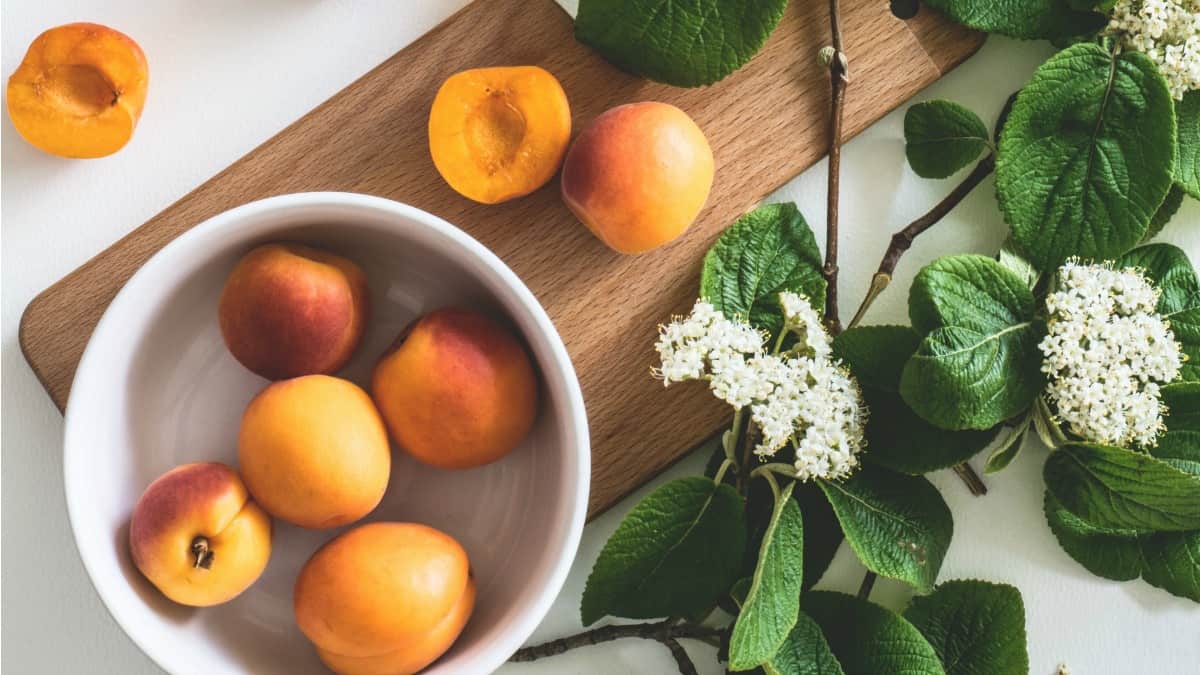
<point>686,667</point>
<point>903,240</point>
<point>661,632</point>
<point>838,80</point>
<point>868,582</point>
<point>974,483</point>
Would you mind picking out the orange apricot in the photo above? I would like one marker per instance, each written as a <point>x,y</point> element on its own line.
<point>638,175</point>
<point>289,310</point>
<point>314,452</point>
<point>499,133</point>
<point>457,390</point>
<point>197,536</point>
<point>384,598</point>
<point>79,91</point>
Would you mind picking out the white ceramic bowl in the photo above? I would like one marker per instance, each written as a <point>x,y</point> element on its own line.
<point>156,388</point>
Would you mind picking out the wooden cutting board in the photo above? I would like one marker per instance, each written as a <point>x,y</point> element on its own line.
<point>766,123</point>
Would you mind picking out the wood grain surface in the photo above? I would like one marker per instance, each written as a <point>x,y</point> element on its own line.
<point>766,123</point>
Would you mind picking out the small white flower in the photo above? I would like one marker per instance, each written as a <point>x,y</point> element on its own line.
<point>802,396</point>
<point>688,345</point>
<point>1106,352</point>
<point>1167,31</point>
<point>802,320</point>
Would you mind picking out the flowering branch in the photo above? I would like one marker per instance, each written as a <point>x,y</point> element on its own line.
<point>903,240</point>
<point>838,80</point>
<point>667,632</point>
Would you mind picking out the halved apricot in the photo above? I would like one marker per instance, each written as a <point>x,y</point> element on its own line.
<point>79,91</point>
<point>499,133</point>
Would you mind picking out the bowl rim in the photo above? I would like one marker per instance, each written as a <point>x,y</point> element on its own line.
<point>514,634</point>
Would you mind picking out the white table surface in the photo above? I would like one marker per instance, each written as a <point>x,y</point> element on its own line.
<point>227,74</point>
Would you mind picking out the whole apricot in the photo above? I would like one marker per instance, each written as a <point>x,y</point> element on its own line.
<point>638,175</point>
<point>289,310</point>
<point>457,390</point>
<point>197,536</point>
<point>384,598</point>
<point>79,91</point>
<point>314,452</point>
<point>499,133</point>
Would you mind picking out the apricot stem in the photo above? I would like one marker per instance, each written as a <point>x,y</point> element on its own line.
<point>204,555</point>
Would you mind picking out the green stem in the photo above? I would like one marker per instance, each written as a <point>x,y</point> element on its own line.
<point>1046,427</point>
<point>740,435</point>
<point>780,468</point>
<point>779,339</point>
<point>730,439</point>
<point>770,477</point>
<point>724,468</point>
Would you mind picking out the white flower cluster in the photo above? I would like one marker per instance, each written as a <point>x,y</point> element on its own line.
<point>801,395</point>
<point>1168,31</point>
<point>1106,353</point>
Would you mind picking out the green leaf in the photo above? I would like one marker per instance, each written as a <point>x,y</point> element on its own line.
<point>898,525</point>
<point>1167,560</point>
<point>1086,156</point>
<point>1109,553</point>
<point>968,291</point>
<point>822,532</point>
<point>899,440</point>
<point>767,251</point>
<point>804,652</point>
<point>738,591</point>
<point>979,363</point>
<point>868,639</point>
<point>1183,406</point>
<point>1002,118</point>
<point>773,601</point>
<point>1171,272</point>
<point>1180,449</point>
<point>661,561</point>
<point>1014,260</point>
<point>976,627</point>
<point>876,354</point>
<point>1171,560</point>
<point>1187,163</point>
<point>941,137</point>
<point>1172,563</point>
<point>1009,447</point>
<point>686,43</point>
<point>1166,211</point>
<point>1113,488</point>
<point>1028,20</point>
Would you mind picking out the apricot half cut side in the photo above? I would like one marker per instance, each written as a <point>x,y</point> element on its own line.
<point>499,133</point>
<point>79,91</point>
